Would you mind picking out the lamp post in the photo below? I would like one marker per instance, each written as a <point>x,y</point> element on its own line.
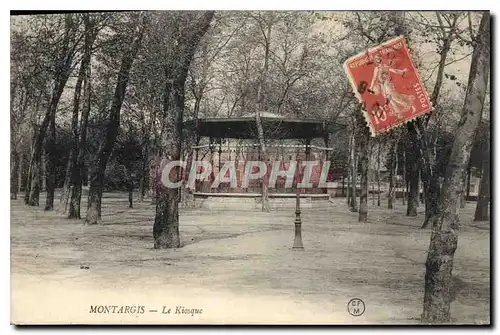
<point>297,242</point>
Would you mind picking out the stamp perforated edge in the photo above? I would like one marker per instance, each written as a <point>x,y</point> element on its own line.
<point>366,116</point>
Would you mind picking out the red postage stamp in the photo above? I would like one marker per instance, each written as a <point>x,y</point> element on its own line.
<point>386,82</point>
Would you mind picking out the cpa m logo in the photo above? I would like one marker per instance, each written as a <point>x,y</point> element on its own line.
<point>356,307</point>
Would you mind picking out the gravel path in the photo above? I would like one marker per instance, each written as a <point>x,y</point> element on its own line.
<point>237,267</point>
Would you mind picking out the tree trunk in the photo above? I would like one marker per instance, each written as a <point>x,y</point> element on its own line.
<point>80,135</point>
<point>29,176</point>
<point>130,195</point>
<point>36,171</point>
<point>426,152</point>
<point>166,224</point>
<point>441,66</point>
<point>73,154</point>
<point>349,189</point>
<point>43,174</point>
<point>349,185</point>
<point>405,184</point>
<point>27,187</point>
<point>265,192</point>
<point>77,174</point>
<point>431,197</point>
<point>343,185</point>
<point>413,193</point>
<point>63,70</point>
<point>371,179</point>
<point>378,174</point>
<point>349,174</point>
<point>392,166</point>
<point>21,173</point>
<point>413,176</point>
<point>364,160</point>
<point>260,99</point>
<point>464,191</point>
<point>144,173</point>
<point>50,168</point>
<point>444,235</point>
<point>428,174</point>
<point>31,162</point>
<point>111,130</point>
<point>467,196</point>
<point>14,152</point>
<point>482,213</point>
<point>27,180</point>
<point>76,197</point>
<point>143,185</point>
<point>65,193</point>
<point>144,169</point>
<point>354,172</point>
<point>34,190</point>
<point>14,173</point>
<point>373,192</point>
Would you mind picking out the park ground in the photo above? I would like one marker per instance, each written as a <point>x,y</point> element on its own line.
<point>238,266</point>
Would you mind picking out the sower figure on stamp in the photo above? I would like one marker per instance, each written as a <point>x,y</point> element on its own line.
<point>382,84</point>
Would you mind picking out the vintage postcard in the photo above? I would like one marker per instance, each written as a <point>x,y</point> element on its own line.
<point>250,168</point>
